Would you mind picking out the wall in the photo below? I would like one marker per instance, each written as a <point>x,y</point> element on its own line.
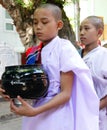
<point>93,7</point>
<point>101,8</point>
<point>9,37</point>
<point>10,44</point>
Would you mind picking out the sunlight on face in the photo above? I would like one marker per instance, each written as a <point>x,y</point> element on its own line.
<point>88,33</point>
<point>45,24</point>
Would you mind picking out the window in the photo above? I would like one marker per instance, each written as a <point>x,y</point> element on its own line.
<point>9,26</point>
<point>7,16</point>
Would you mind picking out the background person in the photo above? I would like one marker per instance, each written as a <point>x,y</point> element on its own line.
<point>95,57</point>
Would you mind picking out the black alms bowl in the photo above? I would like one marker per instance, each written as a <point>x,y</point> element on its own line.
<point>28,81</point>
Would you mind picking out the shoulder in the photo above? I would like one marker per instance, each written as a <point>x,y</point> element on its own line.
<point>100,55</point>
<point>66,44</point>
<point>67,48</point>
<point>102,50</point>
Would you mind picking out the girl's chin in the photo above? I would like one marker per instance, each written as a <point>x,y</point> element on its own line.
<point>46,41</point>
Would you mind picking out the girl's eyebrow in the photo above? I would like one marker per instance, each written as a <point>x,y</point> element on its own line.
<point>84,26</point>
<point>42,18</point>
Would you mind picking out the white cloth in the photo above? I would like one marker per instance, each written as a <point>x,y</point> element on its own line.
<point>81,112</point>
<point>97,62</point>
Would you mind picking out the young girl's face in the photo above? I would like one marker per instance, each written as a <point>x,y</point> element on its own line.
<point>88,33</point>
<point>45,25</point>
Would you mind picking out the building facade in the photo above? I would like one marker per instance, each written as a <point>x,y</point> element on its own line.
<point>8,32</point>
<point>10,44</point>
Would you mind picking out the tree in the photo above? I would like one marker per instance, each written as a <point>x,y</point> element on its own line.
<point>77,17</point>
<point>21,11</point>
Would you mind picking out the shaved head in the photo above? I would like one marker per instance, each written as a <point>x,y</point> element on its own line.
<point>56,11</point>
<point>96,21</point>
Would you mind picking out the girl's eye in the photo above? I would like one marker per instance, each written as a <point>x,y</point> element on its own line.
<point>35,22</point>
<point>44,22</point>
<point>86,28</point>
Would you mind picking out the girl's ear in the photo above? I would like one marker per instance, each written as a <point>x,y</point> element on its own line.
<point>100,32</point>
<point>60,24</point>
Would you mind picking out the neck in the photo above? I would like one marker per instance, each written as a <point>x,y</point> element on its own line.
<point>88,48</point>
<point>45,42</point>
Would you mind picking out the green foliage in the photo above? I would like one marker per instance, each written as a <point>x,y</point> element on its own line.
<point>30,3</point>
<point>24,5</point>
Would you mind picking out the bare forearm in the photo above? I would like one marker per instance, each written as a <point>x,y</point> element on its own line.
<point>103,102</point>
<point>58,100</point>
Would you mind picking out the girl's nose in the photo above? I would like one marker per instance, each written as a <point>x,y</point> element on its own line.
<point>39,26</point>
<point>81,31</point>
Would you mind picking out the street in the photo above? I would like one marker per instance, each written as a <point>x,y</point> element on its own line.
<point>8,120</point>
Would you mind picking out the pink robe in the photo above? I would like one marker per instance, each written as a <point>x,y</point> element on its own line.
<point>81,112</point>
<point>96,60</point>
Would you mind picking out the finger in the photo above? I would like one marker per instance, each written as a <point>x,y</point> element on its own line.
<point>2,91</point>
<point>13,108</point>
<point>6,97</point>
<point>21,100</point>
